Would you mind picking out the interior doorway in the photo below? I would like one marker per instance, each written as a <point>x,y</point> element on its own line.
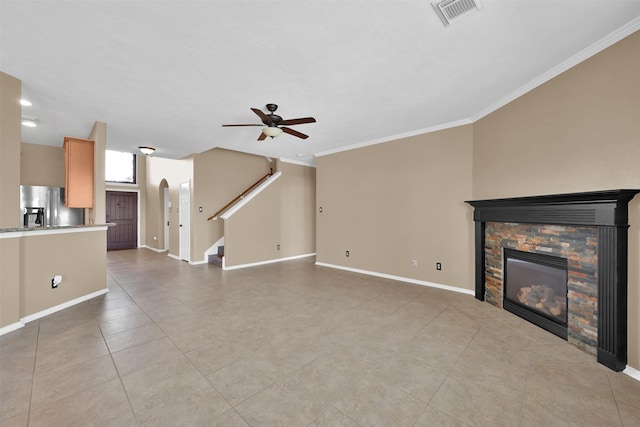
<point>122,210</point>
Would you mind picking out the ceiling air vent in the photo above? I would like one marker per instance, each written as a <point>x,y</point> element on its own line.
<point>448,10</point>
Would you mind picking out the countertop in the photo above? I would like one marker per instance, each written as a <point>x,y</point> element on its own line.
<point>53,228</point>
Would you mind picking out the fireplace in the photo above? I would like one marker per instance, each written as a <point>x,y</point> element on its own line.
<point>535,288</point>
<point>589,230</point>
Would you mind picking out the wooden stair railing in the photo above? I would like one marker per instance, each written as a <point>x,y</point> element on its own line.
<point>240,196</point>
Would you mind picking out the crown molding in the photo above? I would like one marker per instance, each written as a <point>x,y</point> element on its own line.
<point>597,47</point>
<point>395,137</point>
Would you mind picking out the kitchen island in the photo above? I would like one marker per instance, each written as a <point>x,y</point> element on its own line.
<point>31,257</point>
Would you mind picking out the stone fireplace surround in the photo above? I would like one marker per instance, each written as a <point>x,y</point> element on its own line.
<point>590,230</point>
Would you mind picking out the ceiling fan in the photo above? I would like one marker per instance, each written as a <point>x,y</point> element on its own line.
<point>274,124</point>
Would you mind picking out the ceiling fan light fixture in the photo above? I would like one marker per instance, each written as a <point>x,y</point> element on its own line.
<point>147,151</point>
<point>271,131</point>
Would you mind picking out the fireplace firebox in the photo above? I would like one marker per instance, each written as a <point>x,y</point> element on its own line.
<point>535,288</point>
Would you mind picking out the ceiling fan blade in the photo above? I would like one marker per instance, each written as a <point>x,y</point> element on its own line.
<point>260,114</point>
<point>262,136</point>
<point>299,121</point>
<point>295,133</point>
<point>240,125</point>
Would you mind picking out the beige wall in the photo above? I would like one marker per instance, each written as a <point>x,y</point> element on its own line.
<point>29,262</point>
<point>97,215</point>
<point>219,176</point>
<point>80,259</point>
<point>578,132</point>
<point>41,165</point>
<point>10,90</point>
<point>174,172</point>
<point>391,203</point>
<point>283,214</point>
<point>10,132</point>
<point>9,281</point>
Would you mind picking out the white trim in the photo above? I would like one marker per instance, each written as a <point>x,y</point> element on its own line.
<point>235,208</point>
<point>124,184</point>
<point>56,230</point>
<point>581,56</point>
<point>11,235</point>
<point>10,328</point>
<point>70,303</point>
<point>297,162</point>
<point>153,249</point>
<point>271,261</point>
<point>400,278</point>
<point>585,54</point>
<point>632,372</point>
<point>173,256</point>
<point>198,262</point>
<point>395,137</point>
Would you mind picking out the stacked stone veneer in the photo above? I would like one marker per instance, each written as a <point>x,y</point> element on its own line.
<point>579,245</point>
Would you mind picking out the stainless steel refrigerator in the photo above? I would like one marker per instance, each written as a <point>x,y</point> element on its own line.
<point>44,207</point>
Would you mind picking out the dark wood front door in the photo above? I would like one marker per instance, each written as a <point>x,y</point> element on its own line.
<point>122,210</point>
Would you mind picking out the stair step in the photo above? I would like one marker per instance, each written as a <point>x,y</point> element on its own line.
<point>215,259</point>
<point>221,251</point>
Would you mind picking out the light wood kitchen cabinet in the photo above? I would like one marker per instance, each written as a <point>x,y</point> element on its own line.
<point>79,169</point>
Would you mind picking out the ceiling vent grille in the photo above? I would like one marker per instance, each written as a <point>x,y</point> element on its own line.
<point>448,10</point>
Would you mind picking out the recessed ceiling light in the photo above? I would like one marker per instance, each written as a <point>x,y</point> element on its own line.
<point>29,121</point>
<point>25,103</point>
<point>300,155</point>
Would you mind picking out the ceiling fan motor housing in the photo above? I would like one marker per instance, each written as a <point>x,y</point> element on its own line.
<point>271,119</point>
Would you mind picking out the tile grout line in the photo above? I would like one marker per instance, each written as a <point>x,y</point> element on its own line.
<point>135,415</point>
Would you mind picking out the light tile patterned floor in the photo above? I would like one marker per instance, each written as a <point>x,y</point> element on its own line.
<point>292,344</point>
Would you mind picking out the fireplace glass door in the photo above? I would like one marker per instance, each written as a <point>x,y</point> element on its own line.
<point>536,284</point>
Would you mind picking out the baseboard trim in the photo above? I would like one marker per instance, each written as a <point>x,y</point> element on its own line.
<point>173,256</point>
<point>271,261</point>
<point>70,303</point>
<point>399,278</point>
<point>632,372</point>
<point>198,262</point>
<point>153,249</point>
<point>10,328</point>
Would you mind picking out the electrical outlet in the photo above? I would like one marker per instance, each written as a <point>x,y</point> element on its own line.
<point>347,254</point>
<point>438,266</point>
<point>414,263</point>
<point>56,281</point>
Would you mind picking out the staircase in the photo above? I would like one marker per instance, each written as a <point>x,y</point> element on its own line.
<point>217,258</point>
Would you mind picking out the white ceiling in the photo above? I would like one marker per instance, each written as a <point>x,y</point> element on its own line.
<point>170,73</point>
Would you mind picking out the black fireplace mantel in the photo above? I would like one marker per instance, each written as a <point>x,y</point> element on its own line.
<point>605,210</point>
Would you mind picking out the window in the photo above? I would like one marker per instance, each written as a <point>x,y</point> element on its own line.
<point>120,167</point>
